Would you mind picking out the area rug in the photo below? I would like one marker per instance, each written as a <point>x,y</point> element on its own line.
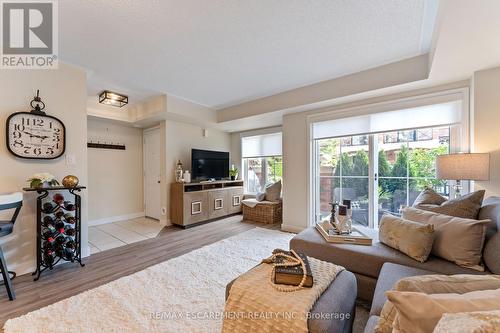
<point>184,294</point>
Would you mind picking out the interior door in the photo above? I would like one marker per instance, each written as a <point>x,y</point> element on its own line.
<point>152,180</point>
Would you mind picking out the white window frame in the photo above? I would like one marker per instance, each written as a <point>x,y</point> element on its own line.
<point>460,137</point>
<point>243,166</point>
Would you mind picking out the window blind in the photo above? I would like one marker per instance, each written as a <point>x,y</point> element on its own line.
<point>418,117</point>
<point>261,145</point>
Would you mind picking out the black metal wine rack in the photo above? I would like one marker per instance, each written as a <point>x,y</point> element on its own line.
<point>43,262</point>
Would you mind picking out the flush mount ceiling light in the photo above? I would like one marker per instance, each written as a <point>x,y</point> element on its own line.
<point>114,99</point>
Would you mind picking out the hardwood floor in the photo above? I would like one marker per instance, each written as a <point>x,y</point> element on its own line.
<point>70,279</point>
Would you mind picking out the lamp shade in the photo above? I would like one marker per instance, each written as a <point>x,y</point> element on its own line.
<point>463,167</point>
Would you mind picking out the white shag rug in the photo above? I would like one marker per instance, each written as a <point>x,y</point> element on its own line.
<point>183,294</point>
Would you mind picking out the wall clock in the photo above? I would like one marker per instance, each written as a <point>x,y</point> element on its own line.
<point>34,134</point>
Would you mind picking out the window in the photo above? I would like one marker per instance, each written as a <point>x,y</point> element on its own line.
<point>258,172</point>
<point>262,161</point>
<point>381,161</point>
<point>402,168</point>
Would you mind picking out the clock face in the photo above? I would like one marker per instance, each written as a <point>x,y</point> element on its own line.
<point>31,135</point>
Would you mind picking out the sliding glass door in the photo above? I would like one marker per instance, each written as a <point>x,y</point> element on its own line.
<point>379,173</point>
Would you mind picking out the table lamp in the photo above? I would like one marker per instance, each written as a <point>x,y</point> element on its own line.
<point>463,166</point>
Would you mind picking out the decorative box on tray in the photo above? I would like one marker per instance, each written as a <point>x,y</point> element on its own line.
<point>330,235</point>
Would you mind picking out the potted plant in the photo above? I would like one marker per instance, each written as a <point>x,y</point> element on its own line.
<point>233,173</point>
<point>45,179</point>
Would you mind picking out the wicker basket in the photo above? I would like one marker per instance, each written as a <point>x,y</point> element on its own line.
<point>264,212</point>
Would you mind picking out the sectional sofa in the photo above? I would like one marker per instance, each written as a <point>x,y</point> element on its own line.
<point>378,267</point>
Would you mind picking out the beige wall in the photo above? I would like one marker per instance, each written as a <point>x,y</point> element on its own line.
<point>179,139</point>
<point>486,111</point>
<point>64,93</point>
<point>115,176</point>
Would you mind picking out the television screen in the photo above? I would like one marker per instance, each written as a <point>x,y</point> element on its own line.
<point>207,164</point>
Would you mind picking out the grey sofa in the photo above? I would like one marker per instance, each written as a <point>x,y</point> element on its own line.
<point>379,267</point>
<point>389,275</point>
<point>366,261</point>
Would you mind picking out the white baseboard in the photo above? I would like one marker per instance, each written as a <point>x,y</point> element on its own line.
<point>115,219</point>
<point>292,228</point>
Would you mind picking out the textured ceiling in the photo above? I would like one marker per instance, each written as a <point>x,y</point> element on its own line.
<point>223,52</point>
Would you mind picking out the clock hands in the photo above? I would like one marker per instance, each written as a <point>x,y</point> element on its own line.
<point>42,137</point>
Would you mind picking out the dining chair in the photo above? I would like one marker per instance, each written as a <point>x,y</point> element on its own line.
<point>9,202</point>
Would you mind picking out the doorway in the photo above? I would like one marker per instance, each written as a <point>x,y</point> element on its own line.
<point>152,173</point>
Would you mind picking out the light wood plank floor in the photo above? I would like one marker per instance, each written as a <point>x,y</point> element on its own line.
<point>69,279</point>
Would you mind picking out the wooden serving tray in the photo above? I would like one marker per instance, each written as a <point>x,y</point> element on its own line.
<point>356,237</point>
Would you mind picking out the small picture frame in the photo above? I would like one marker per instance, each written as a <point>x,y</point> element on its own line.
<point>236,200</point>
<point>218,203</point>
<point>196,208</point>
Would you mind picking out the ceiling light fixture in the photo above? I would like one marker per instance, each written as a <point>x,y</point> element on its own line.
<point>114,99</point>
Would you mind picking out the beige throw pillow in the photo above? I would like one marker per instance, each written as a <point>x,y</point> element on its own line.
<point>456,239</point>
<point>469,322</point>
<point>412,238</point>
<point>273,192</point>
<point>435,284</point>
<point>429,196</point>
<point>467,206</point>
<point>420,313</point>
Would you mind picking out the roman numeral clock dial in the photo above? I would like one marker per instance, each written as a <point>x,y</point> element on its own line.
<point>35,135</point>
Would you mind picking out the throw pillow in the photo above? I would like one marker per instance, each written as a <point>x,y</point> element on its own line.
<point>456,239</point>
<point>420,313</point>
<point>467,322</point>
<point>412,238</point>
<point>435,284</point>
<point>261,196</point>
<point>429,196</point>
<point>273,192</point>
<point>467,206</point>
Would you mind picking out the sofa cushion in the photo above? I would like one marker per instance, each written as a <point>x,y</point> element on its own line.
<point>466,322</point>
<point>389,276</point>
<point>273,192</point>
<point>420,313</point>
<point>366,260</point>
<point>411,238</point>
<point>430,197</point>
<point>456,239</point>
<point>435,284</point>
<point>371,324</point>
<point>467,206</point>
<point>491,254</point>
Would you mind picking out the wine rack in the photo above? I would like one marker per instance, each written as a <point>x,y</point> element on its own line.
<point>58,226</point>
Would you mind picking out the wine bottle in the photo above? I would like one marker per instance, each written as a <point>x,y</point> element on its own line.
<point>60,226</point>
<point>58,198</point>
<point>69,206</point>
<point>59,241</point>
<point>49,235</point>
<point>69,231</point>
<point>69,254</point>
<point>48,221</point>
<point>49,207</point>
<point>59,214</point>
<point>69,218</point>
<point>48,254</point>
<point>70,244</point>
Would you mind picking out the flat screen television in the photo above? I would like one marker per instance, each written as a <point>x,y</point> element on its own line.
<point>207,164</point>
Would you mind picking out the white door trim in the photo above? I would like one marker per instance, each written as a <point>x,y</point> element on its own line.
<point>145,132</point>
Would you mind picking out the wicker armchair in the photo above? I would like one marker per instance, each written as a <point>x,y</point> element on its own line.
<point>264,212</point>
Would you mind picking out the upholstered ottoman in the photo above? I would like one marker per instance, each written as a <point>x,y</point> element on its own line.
<point>338,300</point>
